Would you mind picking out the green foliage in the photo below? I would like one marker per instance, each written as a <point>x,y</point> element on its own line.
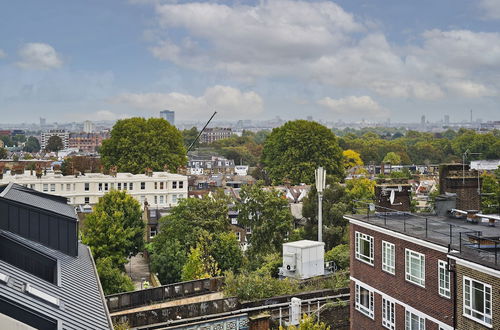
<point>32,145</point>
<point>490,192</point>
<point>268,216</point>
<point>115,229</point>
<point>3,153</point>
<point>351,159</point>
<point>307,322</point>
<point>54,144</point>
<point>392,158</point>
<point>191,223</point>
<point>242,149</point>
<point>225,249</point>
<point>294,151</point>
<point>83,164</point>
<point>270,264</point>
<point>168,258</point>
<point>138,143</point>
<point>7,141</point>
<point>188,136</point>
<point>360,189</point>
<point>112,279</point>
<point>255,286</point>
<point>340,255</point>
<point>200,264</point>
<point>403,174</point>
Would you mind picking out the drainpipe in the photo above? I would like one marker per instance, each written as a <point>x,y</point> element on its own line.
<point>454,271</point>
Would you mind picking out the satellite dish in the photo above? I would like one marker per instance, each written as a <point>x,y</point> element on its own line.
<point>393,196</point>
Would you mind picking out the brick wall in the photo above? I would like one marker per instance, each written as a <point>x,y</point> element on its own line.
<point>427,300</point>
<point>464,322</point>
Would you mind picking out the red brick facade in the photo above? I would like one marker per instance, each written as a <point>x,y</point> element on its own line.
<point>425,300</point>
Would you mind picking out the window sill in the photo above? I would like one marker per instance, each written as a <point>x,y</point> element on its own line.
<point>365,262</point>
<point>477,320</point>
<point>414,283</point>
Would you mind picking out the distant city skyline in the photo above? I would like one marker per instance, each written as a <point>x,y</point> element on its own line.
<point>344,60</point>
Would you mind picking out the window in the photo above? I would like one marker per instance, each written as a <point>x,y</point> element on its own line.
<point>124,186</point>
<point>415,267</point>
<point>62,186</point>
<point>161,185</point>
<point>156,185</point>
<point>87,200</point>
<point>143,185</point>
<point>52,187</point>
<point>119,186</point>
<point>174,198</point>
<point>388,314</point>
<point>161,199</point>
<point>152,232</point>
<point>414,322</point>
<point>364,248</point>
<point>156,200</point>
<point>388,257</point>
<point>477,301</point>
<point>45,187</point>
<point>68,186</point>
<point>130,186</point>
<point>238,236</point>
<point>87,186</point>
<point>174,184</point>
<point>444,279</point>
<point>106,187</point>
<point>181,184</point>
<point>364,301</point>
<point>100,187</point>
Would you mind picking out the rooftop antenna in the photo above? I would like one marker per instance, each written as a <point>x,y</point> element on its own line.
<point>199,134</point>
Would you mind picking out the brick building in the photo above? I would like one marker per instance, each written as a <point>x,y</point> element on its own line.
<point>210,135</point>
<point>411,272</point>
<point>88,142</point>
<point>457,178</point>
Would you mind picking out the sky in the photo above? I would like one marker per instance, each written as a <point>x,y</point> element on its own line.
<point>350,60</point>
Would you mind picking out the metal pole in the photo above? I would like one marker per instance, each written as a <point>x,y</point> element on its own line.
<point>320,217</point>
<point>199,134</point>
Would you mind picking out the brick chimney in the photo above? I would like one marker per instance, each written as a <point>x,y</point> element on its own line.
<point>458,179</point>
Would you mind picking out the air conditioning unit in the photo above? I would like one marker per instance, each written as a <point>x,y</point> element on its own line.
<point>289,262</point>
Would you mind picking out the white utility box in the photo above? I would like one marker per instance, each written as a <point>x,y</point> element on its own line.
<point>303,259</point>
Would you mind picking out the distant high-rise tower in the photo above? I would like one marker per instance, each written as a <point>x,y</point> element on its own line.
<point>88,126</point>
<point>43,121</point>
<point>168,115</point>
<point>446,119</point>
<point>422,120</point>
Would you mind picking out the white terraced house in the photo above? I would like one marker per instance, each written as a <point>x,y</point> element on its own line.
<point>160,189</point>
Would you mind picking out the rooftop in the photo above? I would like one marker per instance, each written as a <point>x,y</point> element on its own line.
<point>30,175</point>
<point>476,242</point>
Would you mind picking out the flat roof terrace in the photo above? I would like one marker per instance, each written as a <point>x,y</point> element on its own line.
<point>477,242</point>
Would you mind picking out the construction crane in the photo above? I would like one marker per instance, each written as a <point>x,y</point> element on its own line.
<point>199,134</point>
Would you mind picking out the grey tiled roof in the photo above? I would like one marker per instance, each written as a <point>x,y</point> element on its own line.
<point>81,301</point>
<point>52,203</point>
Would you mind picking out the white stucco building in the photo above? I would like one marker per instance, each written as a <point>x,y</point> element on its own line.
<point>160,189</point>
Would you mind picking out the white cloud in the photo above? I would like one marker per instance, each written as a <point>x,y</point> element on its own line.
<point>470,89</point>
<point>228,101</point>
<point>320,41</point>
<point>2,54</point>
<point>491,8</point>
<point>96,116</point>
<point>351,106</point>
<point>39,56</point>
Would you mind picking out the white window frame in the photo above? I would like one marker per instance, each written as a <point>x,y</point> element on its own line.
<point>469,311</point>
<point>366,310</point>
<point>388,257</point>
<point>45,187</point>
<point>408,317</point>
<point>413,255</point>
<point>388,314</point>
<point>52,187</point>
<point>443,279</point>
<point>359,238</point>
<point>86,186</point>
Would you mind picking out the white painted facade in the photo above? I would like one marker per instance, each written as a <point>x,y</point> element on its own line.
<point>161,189</point>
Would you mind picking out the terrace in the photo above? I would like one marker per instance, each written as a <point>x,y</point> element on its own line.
<point>474,239</point>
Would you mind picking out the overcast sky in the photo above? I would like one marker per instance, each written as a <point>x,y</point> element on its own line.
<point>69,60</point>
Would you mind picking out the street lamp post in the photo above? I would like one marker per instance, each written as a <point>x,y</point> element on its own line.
<point>320,174</point>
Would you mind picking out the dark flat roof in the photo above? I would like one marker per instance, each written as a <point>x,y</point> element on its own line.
<point>52,203</point>
<point>81,304</point>
<point>460,234</point>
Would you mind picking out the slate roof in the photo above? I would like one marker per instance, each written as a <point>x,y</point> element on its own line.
<point>81,300</point>
<point>52,203</point>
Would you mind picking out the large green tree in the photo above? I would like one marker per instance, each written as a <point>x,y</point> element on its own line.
<point>294,150</point>
<point>267,214</point>
<point>3,153</point>
<point>32,145</point>
<point>139,143</point>
<point>112,279</point>
<point>55,143</point>
<point>115,229</point>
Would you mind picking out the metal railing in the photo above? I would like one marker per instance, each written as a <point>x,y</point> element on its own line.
<point>127,300</point>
